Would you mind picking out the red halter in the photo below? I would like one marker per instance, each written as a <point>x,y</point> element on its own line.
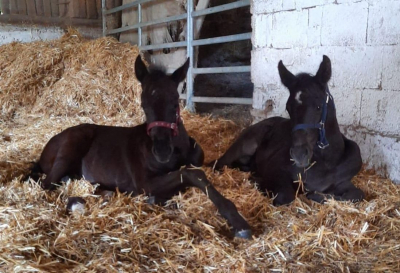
<point>173,126</point>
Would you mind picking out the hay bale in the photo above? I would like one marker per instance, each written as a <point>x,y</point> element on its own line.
<point>95,83</point>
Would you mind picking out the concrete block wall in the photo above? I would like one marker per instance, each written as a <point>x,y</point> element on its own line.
<point>29,33</point>
<point>362,39</point>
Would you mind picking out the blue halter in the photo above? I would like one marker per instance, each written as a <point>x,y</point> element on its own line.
<point>322,141</point>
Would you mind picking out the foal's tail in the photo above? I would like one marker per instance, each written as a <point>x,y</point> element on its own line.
<point>35,172</point>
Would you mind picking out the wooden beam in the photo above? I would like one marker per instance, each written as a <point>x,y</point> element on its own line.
<point>39,7</point>
<point>91,9</point>
<point>41,20</point>
<point>5,6</point>
<point>21,7</point>
<point>47,8</point>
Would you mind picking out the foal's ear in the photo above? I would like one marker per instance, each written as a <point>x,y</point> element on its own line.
<point>180,74</point>
<point>325,70</point>
<point>288,79</point>
<point>140,69</point>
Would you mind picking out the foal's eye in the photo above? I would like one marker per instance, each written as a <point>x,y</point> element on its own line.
<point>318,108</point>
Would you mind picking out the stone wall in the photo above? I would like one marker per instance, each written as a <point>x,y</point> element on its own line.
<point>362,38</point>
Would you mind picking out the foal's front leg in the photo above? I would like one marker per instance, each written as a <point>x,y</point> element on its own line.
<point>349,167</point>
<point>174,181</point>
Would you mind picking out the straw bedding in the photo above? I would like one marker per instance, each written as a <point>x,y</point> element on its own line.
<point>48,86</point>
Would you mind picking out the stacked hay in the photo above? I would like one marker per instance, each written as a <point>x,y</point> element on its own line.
<point>48,86</point>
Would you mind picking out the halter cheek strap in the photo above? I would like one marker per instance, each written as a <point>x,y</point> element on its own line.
<point>322,141</point>
<point>172,126</point>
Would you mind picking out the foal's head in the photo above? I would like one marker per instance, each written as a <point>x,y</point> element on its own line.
<point>307,107</point>
<point>160,102</point>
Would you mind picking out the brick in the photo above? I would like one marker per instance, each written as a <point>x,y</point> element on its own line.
<point>384,23</point>
<point>288,4</point>
<point>264,7</point>
<point>351,1</point>
<point>314,26</point>
<point>300,4</point>
<point>378,152</point>
<point>261,25</point>
<point>347,101</point>
<point>357,67</point>
<point>380,111</point>
<point>289,29</point>
<point>391,68</point>
<point>344,25</point>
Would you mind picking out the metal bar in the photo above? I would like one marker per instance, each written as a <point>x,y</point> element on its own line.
<point>223,39</point>
<point>226,100</point>
<point>103,16</point>
<point>227,69</point>
<point>127,6</point>
<point>161,46</point>
<point>139,28</point>
<point>225,7</point>
<point>189,38</point>
<point>145,24</point>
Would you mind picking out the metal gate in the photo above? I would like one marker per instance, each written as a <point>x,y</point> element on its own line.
<point>190,43</point>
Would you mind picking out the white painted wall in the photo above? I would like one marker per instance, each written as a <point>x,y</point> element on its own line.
<point>362,39</point>
<point>30,33</point>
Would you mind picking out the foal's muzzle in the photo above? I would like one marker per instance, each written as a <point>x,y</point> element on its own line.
<point>301,155</point>
<point>162,146</point>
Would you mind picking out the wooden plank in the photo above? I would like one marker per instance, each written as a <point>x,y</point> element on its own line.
<point>73,9</point>
<point>31,7</point>
<point>21,7</point>
<point>98,6</point>
<point>5,6</point>
<point>82,9</point>
<point>47,8</point>
<point>13,7</point>
<point>63,7</point>
<point>91,9</point>
<point>55,12</point>
<point>60,21</point>
<point>39,7</point>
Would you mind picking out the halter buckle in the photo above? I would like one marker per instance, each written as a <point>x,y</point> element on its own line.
<point>322,145</point>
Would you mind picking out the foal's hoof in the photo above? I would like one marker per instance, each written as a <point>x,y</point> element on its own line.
<point>243,234</point>
<point>50,187</point>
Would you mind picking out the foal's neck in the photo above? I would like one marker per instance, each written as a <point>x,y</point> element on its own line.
<point>334,151</point>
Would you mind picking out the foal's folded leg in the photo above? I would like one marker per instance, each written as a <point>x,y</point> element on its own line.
<point>346,191</point>
<point>197,178</point>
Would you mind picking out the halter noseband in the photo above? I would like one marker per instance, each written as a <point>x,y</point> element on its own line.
<point>173,126</point>
<point>322,141</point>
